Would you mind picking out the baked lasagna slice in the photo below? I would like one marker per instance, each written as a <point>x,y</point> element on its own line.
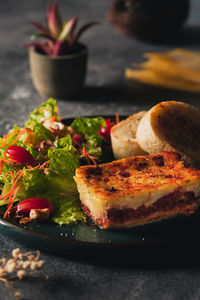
<point>139,189</point>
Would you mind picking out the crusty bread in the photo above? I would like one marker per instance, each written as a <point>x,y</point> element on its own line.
<point>138,189</point>
<point>123,139</point>
<point>171,126</point>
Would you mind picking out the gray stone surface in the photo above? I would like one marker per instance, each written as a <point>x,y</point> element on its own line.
<point>105,93</point>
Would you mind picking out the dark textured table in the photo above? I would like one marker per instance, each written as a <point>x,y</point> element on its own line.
<point>162,272</point>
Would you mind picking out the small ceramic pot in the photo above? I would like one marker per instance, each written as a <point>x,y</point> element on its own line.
<point>58,77</point>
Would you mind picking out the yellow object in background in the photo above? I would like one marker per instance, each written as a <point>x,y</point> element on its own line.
<point>177,69</point>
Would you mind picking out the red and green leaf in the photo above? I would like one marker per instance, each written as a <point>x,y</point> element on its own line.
<point>40,28</point>
<point>54,19</point>
<point>60,48</point>
<point>68,29</point>
<point>43,35</point>
<point>43,47</point>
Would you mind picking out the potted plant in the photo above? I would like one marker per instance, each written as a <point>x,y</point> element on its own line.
<point>59,62</point>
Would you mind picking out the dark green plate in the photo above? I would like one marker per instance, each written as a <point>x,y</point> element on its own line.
<point>79,238</point>
<point>66,239</point>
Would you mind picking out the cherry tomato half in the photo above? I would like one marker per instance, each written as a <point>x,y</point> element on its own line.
<point>33,203</point>
<point>20,155</point>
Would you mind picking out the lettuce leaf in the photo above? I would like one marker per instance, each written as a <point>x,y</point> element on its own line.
<point>64,161</point>
<point>89,128</point>
<point>64,195</point>
<point>33,183</point>
<point>46,110</point>
<point>34,180</point>
<point>92,144</point>
<point>62,188</point>
<point>42,132</point>
<point>68,210</point>
<point>12,135</point>
<point>63,142</point>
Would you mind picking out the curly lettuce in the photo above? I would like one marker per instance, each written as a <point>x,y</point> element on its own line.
<point>46,110</point>
<point>89,129</point>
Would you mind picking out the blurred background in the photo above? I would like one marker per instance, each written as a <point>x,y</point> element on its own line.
<point>110,53</point>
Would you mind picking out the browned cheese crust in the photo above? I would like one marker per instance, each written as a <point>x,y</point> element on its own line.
<point>138,189</point>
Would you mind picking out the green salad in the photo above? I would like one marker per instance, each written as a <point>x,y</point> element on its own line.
<point>39,161</point>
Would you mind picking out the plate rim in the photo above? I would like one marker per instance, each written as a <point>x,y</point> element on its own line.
<point>69,241</point>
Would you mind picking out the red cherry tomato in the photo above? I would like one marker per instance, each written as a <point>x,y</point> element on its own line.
<point>20,155</point>
<point>77,139</point>
<point>105,131</point>
<point>33,203</point>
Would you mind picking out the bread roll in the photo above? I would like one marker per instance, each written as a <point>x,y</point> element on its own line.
<point>123,139</point>
<point>172,126</point>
